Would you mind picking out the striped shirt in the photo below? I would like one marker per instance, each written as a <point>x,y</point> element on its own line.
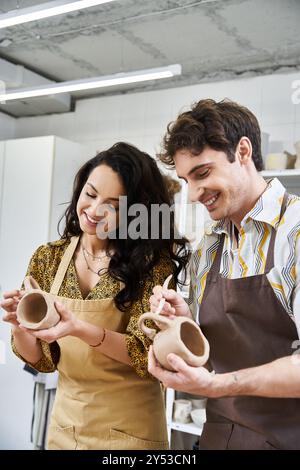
<point>250,256</point>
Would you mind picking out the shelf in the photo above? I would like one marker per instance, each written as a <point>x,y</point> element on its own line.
<point>189,428</point>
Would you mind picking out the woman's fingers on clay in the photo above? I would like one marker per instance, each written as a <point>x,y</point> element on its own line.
<point>9,305</point>
<point>11,294</point>
<point>10,318</point>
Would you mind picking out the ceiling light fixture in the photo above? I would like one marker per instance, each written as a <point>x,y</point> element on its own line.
<point>92,83</point>
<point>45,10</point>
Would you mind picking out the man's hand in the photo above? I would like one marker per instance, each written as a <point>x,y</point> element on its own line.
<point>195,380</point>
<point>175,305</point>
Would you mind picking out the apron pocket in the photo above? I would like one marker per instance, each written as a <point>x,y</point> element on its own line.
<point>120,440</point>
<point>243,438</point>
<point>61,438</point>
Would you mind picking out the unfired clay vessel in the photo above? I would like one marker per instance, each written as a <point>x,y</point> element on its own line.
<point>36,309</point>
<point>179,335</point>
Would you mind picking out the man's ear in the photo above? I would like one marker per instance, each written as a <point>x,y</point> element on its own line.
<point>244,151</point>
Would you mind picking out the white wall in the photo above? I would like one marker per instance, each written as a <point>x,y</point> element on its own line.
<point>68,158</point>
<point>26,175</point>
<point>7,126</point>
<point>141,118</point>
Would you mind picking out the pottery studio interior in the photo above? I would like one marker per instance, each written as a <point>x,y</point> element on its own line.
<point>149,150</point>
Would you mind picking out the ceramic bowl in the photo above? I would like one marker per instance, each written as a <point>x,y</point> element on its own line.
<point>198,416</point>
<point>276,161</point>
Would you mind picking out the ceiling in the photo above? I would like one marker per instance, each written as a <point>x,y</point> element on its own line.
<point>211,39</point>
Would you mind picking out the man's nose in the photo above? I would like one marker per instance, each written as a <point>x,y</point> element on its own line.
<point>195,193</point>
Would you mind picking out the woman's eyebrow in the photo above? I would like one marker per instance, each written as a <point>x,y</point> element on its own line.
<point>108,198</point>
<point>93,187</point>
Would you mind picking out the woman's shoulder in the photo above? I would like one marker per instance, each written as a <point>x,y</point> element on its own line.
<point>45,261</point>
<point>51,249</point>
<point>59,243</point>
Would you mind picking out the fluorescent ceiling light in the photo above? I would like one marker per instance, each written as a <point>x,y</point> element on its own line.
<point>91,83</point>
<point>44,10</point>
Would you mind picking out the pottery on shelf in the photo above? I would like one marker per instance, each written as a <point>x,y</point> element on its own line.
<point>182,411</point>
<point>297,148</point>
<point>198,416</point>
<point>276,161</point>
<point>291,160</point>
<point>36,309</point>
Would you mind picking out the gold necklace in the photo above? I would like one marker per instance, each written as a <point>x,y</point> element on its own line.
<point>87,264</point>
<point>91,255</point>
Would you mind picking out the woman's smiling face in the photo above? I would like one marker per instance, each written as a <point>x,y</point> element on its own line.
<point>98,203</point>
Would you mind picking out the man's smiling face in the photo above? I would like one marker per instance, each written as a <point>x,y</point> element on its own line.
<point>215,182</point>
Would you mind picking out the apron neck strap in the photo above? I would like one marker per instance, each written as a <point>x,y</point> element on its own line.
<point>270,255</point>
<point>214,271</point>
<point>62,268</point>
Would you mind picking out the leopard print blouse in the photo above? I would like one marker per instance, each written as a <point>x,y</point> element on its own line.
<point>43,266</point>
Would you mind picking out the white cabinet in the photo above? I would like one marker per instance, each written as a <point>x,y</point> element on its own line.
<point>189,428</point>
<point>36,176</point>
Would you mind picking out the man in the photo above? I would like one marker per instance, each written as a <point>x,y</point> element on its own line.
<point>245,283</point>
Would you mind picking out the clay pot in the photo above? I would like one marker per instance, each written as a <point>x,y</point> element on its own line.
<point>36,309</point>
<point>179,335</point>
<point>276,161</point>
<point>297,147</point>
<point>182,411</point>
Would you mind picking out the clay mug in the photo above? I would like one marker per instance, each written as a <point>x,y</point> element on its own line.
<point>36,309</point>
<point>179,335</point>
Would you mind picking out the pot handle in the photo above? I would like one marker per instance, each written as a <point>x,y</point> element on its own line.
<point>30,283</point>
<point>162,322</point>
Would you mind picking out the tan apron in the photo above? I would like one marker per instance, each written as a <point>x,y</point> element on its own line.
<point>101,403</point>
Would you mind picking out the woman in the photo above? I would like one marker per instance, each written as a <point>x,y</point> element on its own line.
<point>105,398</point>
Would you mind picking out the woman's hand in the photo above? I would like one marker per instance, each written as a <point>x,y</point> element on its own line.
<point>174,305</point>
<point>67,326</point>
<point>9,303</point>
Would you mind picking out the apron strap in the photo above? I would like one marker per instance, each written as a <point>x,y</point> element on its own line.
<point>62,268</point>
<point>214,271</point>
<point>270,255</point>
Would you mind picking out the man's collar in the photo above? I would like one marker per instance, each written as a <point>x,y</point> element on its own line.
<point>267,209</point>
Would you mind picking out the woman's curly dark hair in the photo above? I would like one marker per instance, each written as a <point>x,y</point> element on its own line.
<point>133,259</point>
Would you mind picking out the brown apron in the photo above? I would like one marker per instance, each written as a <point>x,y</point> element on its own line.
<point>247,326</point>
<point>101,403</point>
